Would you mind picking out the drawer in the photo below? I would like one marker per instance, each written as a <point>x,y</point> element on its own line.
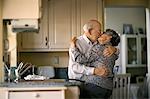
<point>37,95</point>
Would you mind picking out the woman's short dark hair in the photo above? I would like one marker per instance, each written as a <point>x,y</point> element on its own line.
<point>115,40</point>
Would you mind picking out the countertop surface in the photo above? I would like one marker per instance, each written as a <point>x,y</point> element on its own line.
<point>41,83</point>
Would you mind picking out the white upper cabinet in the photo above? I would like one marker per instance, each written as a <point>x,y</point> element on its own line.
<point>36,41</point>
<point>60,21</point>
<point>21,9</point>
<point>88,10</point>
<point>134,51</point>
<point>67,17</point>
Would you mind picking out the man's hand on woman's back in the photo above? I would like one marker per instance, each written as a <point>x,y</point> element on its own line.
<point>101,71</point>
<point>73,42</point>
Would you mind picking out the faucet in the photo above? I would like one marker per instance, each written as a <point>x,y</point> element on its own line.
<point>8,70</point>
<point>15,73</point>
<point>12,74</point>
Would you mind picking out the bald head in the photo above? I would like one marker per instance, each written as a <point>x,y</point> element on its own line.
<point>92,29</point>
<point>91,24</point>
<point>95,22</point>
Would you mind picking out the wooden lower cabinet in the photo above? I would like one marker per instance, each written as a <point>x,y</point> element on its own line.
<point>56,94</point>
<point>40,93</point>
<point>72,92</point>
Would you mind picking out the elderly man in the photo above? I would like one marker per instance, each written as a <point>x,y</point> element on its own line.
<point>92,31</point>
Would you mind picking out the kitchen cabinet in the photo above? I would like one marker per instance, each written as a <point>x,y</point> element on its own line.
<point>62,19</point>
<point>35,95</point>
<point>67,17</point>
<point>19,9</point>
<point>87,10</point>
<point>134,50</point>
<point>72,92</point>
<point>61,23</point>
<point>48,92</point>
<point>36,41</point>
<point>134,54</point>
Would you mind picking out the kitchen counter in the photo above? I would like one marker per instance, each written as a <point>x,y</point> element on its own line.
<point>55,89</point>
<point>41,83</point>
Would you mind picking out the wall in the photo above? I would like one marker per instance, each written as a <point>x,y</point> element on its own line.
<point>56,59</point>
<point>1,44</point>
<point>115,17</point>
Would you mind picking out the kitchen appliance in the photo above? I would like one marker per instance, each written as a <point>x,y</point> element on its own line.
<point>24,25</point>
<point>47,71</point>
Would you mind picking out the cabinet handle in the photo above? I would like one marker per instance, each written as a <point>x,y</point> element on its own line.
<point>6,47</point>
<point>46,39</point>
<point>37,95</point>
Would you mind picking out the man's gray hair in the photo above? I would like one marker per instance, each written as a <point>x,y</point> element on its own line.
<point>87,27</point>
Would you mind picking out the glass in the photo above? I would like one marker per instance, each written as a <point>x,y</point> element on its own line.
<point>143,51</point>
<point>11,74</point>
<point>132,50</point>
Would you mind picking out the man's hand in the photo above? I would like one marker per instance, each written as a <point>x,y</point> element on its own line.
<point>101,71</point>
<point>110,50</point>
<point>73,42</point>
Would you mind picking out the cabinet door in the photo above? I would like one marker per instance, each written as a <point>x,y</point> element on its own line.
<point>72,92</point>
<point>143,50</point>
<point>67,17</point>
<point>128,51</point>
<point>132,49</point>
<point>18,9</point>
<point>61,13</point>
<point>136,50</point>
<point>37,41</point>
<point>87,10</point>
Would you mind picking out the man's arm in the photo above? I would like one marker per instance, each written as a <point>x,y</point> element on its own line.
<point>101,71</point>
<point>83,69</point>
<point>80,68</point>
